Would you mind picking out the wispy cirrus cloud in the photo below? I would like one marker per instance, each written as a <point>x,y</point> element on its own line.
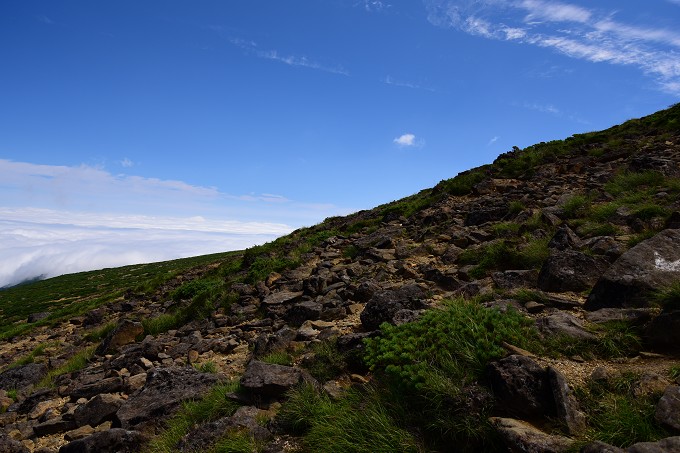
<point>576,31</point>
<point>251,47</point>
<point>56,219</point>
<point>389,80</point>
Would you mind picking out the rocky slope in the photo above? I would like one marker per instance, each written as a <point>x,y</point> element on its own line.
<point>581,237</point>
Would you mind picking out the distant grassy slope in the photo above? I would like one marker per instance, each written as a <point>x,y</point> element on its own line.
<point>74,294</point>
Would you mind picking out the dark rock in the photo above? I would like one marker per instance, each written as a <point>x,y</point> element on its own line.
<point>565,239</point>
<point>403,316</point>
<point>667,445</point>
<point>650,265</point>
<point>101,408</point>
<point>164,390</point>
<point>521,386</point>
<point>282,297</point>
<point>35,317</point>
<point>54,426</point>
<point>664,331</point>
<point>514,278</point>
<point>126,332</point>
<point>385,304</point>
<point>668,408</point>
<point>566,324</point>
<point>302,311</point>
<point>480,213</point>
<point>116,440</point>
<point>22,376</point>
<point>520,436</point>
<point>445,280</point>
<point>269,380</point>
<point>94,317</point>
<point>570,270</point>
<point>9,445</point>
<point>636,316</point>
<point>568,411</point>
<point>108,385</point>
<point>600,447</point>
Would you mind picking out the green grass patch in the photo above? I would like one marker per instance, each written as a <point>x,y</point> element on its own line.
<point>328,361</point>
<point>278,358</point>
<point>209,408</point>
<point>358,422</point>
<point>667,298</point>
<point>75,363</point>
<point>505,254</point>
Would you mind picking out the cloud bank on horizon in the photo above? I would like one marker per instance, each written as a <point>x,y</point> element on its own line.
<point>584,33</point>
<point>62,219</point>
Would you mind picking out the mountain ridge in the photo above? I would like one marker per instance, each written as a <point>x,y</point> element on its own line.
<point>294,341</point>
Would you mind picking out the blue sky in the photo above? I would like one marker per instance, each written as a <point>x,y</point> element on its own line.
<point>143,130</point>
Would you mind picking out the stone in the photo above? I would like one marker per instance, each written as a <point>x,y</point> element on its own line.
<point>385,304</point>
<point>566,324</point>
<point>115,440</point>
<point>668,408</point>
<point>44,406</point>
<point>78,433</point>
<point>564,239</point>
<point>520,436</point>
<point>667,445</point>
<point>566,404</point>
<point>521,386</point>
<point>100,408</point>
<point>514,278</point>
<point>126,332</point>
<point>108,385</point>
<point>35,317</point>
<point>54,426</point>
<point>570,270</point>
<point>650,265</point>
<point>303,311</point>
<point>600,447</point>
<point>282,297</point>
<point>9,445</point>
<point>165,389</point>
<point>269,380</point>
<point>636,316</point>
<point>663,332</point>
<point>22,376</point>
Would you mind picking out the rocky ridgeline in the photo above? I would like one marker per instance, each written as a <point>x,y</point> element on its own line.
<point>390,271</point>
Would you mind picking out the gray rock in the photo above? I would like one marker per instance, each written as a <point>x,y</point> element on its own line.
<point>520,436</point>
<point>668,408</point>
<point>570,270</point>
<point>664,331</point>
<point>100,408</point>
<point>385,304</point>
<point>650,265</point>
<point>302,311</point>
<point>568,411</point>
<point>9,445</point>
<point>282,297</point>
<point>667,445</point>
<point>562,323</point>
<point>521,386</point>
<point>636,316</point>
<point>35,317</point>
<point>564,239</point>
<point>108,385</point>
<point>164,390</point>
<point>600,447</point>
<point>126,332</point>
<point>269,380</point>
<point>54,426</point>
<point>514,278</point>
<point>116,440</point>
<point>22,376</point>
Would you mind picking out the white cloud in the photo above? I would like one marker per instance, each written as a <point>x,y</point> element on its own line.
<point>493,140</point>
<point>61,219</point>
<point>389,80</point>
<point>291,60</point>
<point>127,163</point>
<point>408,140</point>
<point>374,5</point>
<point>589,34</point>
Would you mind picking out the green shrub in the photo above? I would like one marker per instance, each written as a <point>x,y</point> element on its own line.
<point>328,361</point>
<point>463,336</point>
<point>505,254</point>
<point>633,182</point>
<point>206,367</point>
<point>649,211</point>
<point>668,298</point>
<point>162,323</point>
<point>576,206</point>
<point>462,184</point>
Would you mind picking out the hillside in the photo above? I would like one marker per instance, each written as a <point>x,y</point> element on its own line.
<point>531,304</point>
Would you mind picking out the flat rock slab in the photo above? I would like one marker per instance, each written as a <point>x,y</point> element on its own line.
<point>282,297</point>
<point>521,436</point>
<point>164,390</point>
<point>649,266</point>
<point>22,376</point>
<point>269,380</point>
<point>116,440</point>
<point>566,324</point>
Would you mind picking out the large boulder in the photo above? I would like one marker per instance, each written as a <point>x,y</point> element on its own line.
<point>164,390</point>
<point>521,386</point>
<point>668,408</point>
<point>269,380</point>
<point>384,305</point>
<point>520,436</point>
<point>570,270</point>
<point>650,265</point>
<point>100,408</point>
<point>564,324</point>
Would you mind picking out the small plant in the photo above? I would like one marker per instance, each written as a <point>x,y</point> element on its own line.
<point>99,334</point>
<point>328,362</point>
<point>668,298</point>
<point>206,367</point>
<point>236,441</point>
<point>278,358</point>
<point>516,207</point>
<point>674,372</point>
<point>576,206</point>
<point>75,363</point>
